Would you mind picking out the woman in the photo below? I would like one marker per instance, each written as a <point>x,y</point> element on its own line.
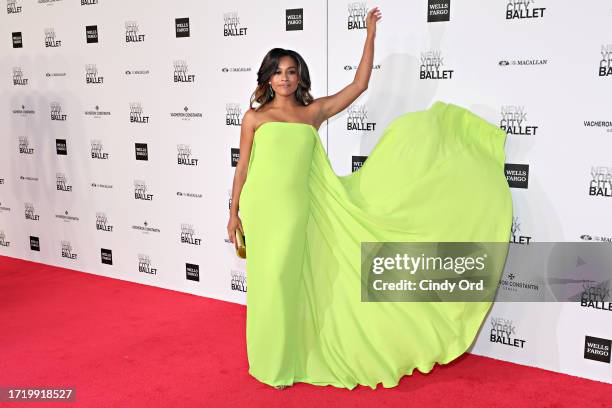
<point>304,225</point>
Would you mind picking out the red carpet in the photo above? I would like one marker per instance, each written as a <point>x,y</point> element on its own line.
<point>123,344</point>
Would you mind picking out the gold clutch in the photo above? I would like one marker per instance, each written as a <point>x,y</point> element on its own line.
<point>240,244</point>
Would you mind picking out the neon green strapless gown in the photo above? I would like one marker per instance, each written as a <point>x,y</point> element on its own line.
<point>434,176</point>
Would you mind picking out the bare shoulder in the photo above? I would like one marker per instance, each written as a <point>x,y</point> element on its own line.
<point>249,120</point>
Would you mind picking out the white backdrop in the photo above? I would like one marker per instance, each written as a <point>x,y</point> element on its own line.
<point>74,156</point>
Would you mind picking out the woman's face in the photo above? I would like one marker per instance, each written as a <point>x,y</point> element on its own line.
<point>285,80</point>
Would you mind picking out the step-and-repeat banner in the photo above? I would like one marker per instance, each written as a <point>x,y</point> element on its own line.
<point>121,124</point>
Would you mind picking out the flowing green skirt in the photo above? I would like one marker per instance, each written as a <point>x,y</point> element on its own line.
<point>434,176</point>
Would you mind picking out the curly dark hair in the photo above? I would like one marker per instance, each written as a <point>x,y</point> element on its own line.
<point>269,65</point>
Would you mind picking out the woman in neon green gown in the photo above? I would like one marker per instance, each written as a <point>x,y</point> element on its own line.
<point>435,175</point>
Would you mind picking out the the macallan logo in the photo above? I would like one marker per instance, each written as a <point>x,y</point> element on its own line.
<point>182,27</point>
<point>601,181</point>
<point>184,155</point>
<point>50,40</point>
<point>12,7</point>
<point>136,115</point>
<point>521,9</point>
<point>188,235</point>
<point>431,66</point>
<point>62,183</point>
<point>92,76</point>
<point>239,281</point>
<point>503,331</point>
<point>181,72</point>
<point>514,121</point>
<point>91,33</point>
<point>18,77</point>
<point>232,26</point>
<point>515,231</point>
<point>356,120</point>
<point>357,162</point>
<point>24,146</point>
<point>56,111</point>
<point>233,113</point>
<point>605,64</point>
<point>3,240</point>
<point>68,251</point>
<point>294,19</point>
<point>17,40</point>
<point>357,12</point>
<point>102,222</point>
<point>30,214</point>
<point>140,191</point>
<point>131,32</point>
<point>96,150</point>
<point>438,10</point>
<point>144,264</point>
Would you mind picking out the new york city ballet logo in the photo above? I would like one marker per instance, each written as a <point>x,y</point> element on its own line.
<point>18,77</point>
<point>516,237</point>
<point>600,184</point>
<point>233,113</point>
<point>102,223</point>
<point>514,121</point>
<point>140,191</point>
<point>50,40</point>
<point>238,281</point>
<point>431,66</point>
<point>188,235</point>
<point>232,26</point>
<point>3,240</point>
<point>357,119</point>
<point>181,72</point>
<point>56,111</point>
<point>184,156</point>
<point>144,264</point>
<point>24,145</point>
<point>521,9</point>
<point>97,150</point>
<point>62,182</point>
<point>12,7</point>
<point>605,64</point>
<point>92,76</point>
<point>357,12</point>
<point>503,331</point>
<point>131,32</point>
<point>30,214</point>
<point>136,113</point>
<point>68,251</point>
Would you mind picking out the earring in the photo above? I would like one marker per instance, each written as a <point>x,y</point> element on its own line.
<point>270,90</point>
